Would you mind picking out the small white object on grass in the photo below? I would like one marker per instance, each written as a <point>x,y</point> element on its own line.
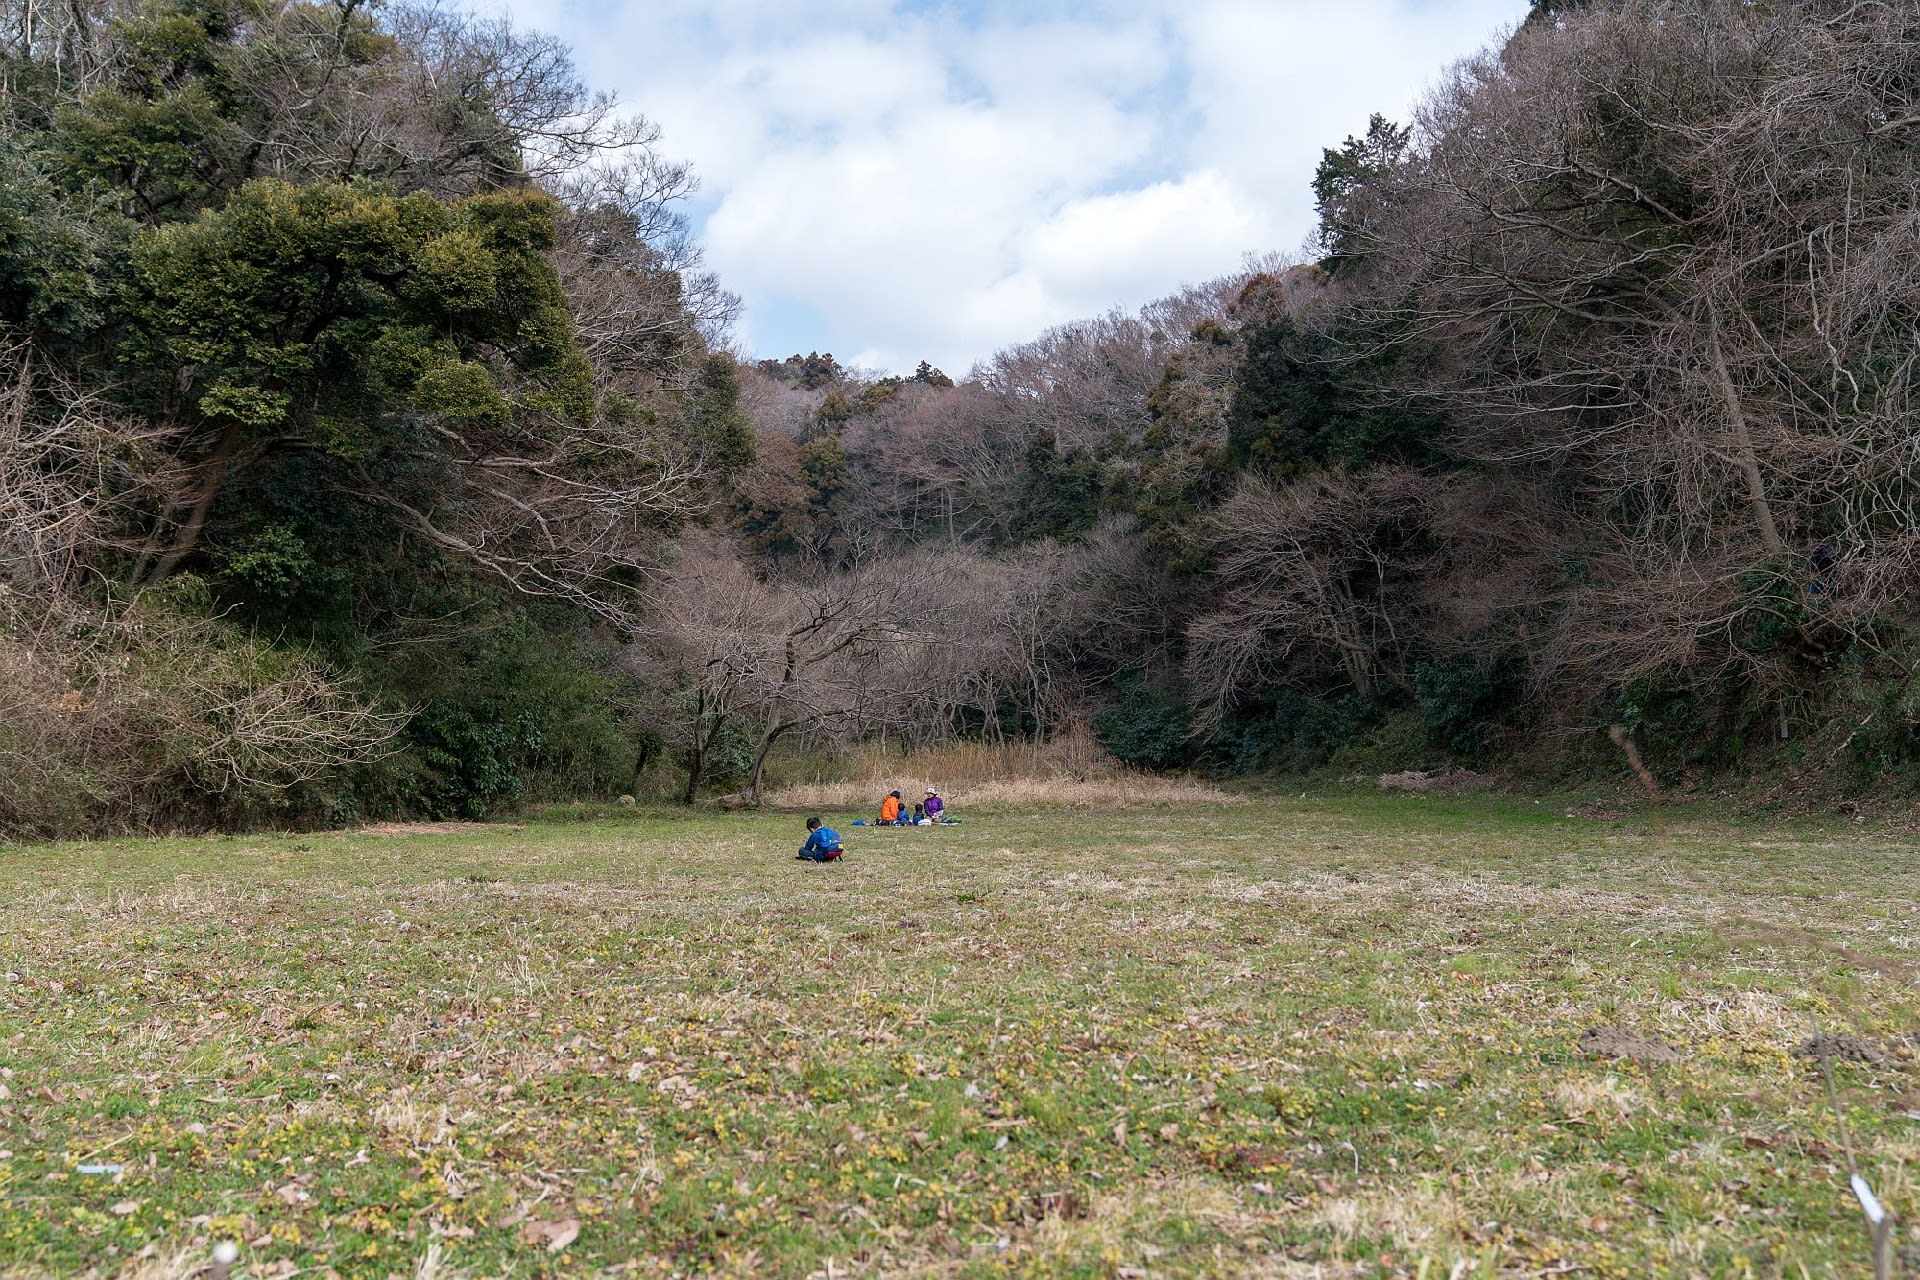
<point>1869,1203</point>
<point>226,1251</point>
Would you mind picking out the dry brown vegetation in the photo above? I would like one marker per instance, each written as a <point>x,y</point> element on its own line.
<point>1068,771</point>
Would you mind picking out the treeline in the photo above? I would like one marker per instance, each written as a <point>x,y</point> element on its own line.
<point>372,444</point>
<point>1592,407</point>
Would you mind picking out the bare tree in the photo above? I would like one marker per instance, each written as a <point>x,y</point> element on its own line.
<point>644,306</point>
<point>1663,252</point>
<point>803,656</point>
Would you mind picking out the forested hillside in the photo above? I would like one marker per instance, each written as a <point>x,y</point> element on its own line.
<point>374,442</point>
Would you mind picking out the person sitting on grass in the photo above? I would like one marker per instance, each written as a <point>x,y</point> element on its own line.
<point>936,807</point>
<point>919,818</point>
<point>823,843</point>
<point>890,810</point>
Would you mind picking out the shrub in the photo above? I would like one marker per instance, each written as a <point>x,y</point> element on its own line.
<point>1146,727</point>
<point>136,716</point>
<point>1464,699</point>
<point>511,711</point>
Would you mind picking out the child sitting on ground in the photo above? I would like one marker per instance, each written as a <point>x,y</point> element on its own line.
<point>890,810</point>
<point>823,843</point>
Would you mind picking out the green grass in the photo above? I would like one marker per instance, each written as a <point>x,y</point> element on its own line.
<point>1251,1040</point>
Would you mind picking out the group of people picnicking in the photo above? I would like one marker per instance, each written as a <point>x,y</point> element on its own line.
<point>823,842</point>
<point>930,812</point>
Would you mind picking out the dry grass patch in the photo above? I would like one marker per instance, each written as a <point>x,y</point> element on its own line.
<point>1068,771</point>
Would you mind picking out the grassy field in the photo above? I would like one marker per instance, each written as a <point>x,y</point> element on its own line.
<point>1297,1037</point>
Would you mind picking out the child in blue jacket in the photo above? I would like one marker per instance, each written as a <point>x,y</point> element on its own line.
<point>823,843</point>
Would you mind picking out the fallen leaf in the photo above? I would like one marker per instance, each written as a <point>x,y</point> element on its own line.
<point>554,1235</point>
<point>126,1208</point>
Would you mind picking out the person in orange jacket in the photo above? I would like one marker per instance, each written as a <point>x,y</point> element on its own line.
<point>890,810</point>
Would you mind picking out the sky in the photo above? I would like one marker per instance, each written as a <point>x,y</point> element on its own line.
<point>898,180</point>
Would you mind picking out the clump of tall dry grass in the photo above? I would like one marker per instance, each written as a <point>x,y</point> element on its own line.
<point>1069,770</point>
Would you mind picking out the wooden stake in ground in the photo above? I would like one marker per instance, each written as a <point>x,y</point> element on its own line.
<point>1879,1221</point>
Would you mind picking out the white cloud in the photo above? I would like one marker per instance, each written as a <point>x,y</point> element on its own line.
<point>1133,245</point>
<point>937,184</point>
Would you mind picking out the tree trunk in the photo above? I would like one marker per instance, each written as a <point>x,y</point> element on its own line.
<point>767,739</point>
<point>214,475</point>
<point>696,767</point>
<point>1746,458</point>
<point>640,765</point>
<point>697,756</point>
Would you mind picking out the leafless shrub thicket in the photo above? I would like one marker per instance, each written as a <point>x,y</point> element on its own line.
<point>1669,256</point>
<point>1660,262</point>
<point>910,648</point>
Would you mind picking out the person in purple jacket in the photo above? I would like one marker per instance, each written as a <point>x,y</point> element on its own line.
<point>936,807</point>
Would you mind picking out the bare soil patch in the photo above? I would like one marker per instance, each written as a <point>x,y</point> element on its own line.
<point>1626,1045</point>
<point>1444,782</point>
<point>433,828</point>
<point>1845,1046</point>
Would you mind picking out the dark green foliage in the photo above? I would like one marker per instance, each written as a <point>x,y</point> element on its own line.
<point>512,710</point>
<point>1877,697</point>
<point>1347,191</point>
<point>341,346</point>
<point>730,752</point>
<point>715,419</point>
<point>50,255</point>
<point>467,756</point>
<point>1294,731</point>
<point>180,125</point>
<point>1466,698</point>
<point>928,375</point>
<point>823,465</point>
<point>329,309</point>
<point>1305,399</point>
<point>297,557</point>
<point>1776,610</point>
<point>1061,490</point>
<point>789,503</point>
<point>1667,722</point>
<point>1146,727</point>
<point>835,412</point>
<point>810,372</point>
